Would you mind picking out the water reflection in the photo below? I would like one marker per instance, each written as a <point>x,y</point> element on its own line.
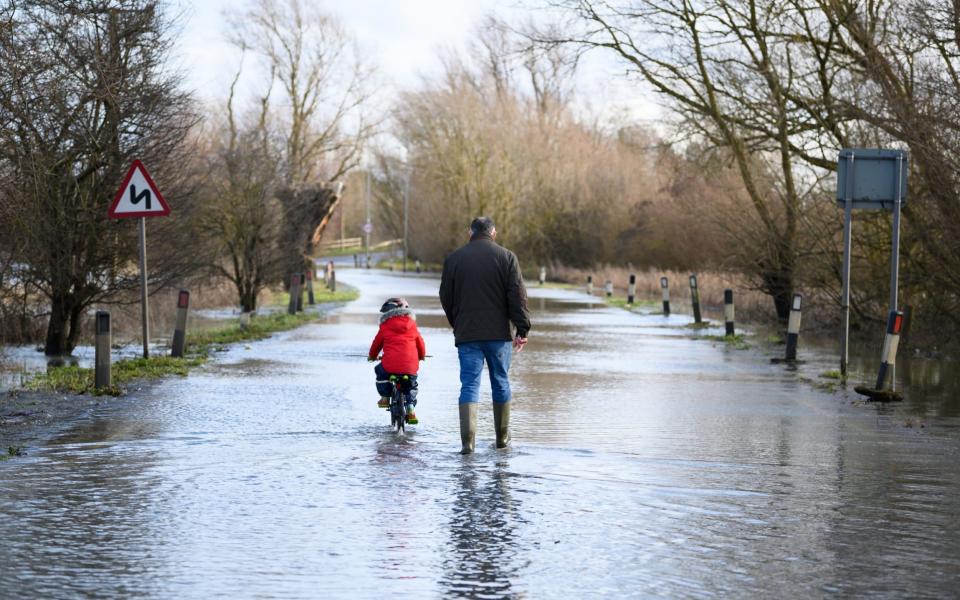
<point>482,556</point>
<point>645,464</point>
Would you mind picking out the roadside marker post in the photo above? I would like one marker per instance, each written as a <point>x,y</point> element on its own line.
<point>590,284</point>
<point>180,331</point>
<point>793,328</point>
<point>608,288</point>
<point>102,375</point>
<point>543,275</point>
<point>891,341</point>
<point>631,288</point>
<point>728,312</point>
<point>665,286</point>
<point>138,187</point>
<point>695,299</point>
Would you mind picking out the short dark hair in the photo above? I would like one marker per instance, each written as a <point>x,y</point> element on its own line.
<point>482,226</point>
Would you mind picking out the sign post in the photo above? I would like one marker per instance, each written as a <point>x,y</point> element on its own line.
<point>138,196</point>
<point>870,179</point>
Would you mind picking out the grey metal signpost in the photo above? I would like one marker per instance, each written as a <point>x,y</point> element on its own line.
<point>868,179</point>
<point>139,197</point>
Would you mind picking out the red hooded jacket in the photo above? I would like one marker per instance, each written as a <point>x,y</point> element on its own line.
<point>400,340</point>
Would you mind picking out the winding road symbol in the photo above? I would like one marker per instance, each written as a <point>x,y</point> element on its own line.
<point>136,195</point>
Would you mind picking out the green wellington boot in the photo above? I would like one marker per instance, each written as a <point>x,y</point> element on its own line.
<point>468,427</point>
<point>501,422</point>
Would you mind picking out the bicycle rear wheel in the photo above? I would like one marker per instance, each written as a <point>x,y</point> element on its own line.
<point>398,414</point>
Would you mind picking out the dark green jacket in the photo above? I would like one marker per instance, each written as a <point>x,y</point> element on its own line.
<point>482,292</point>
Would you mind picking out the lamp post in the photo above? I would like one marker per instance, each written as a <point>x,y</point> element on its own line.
<point>406,218</point>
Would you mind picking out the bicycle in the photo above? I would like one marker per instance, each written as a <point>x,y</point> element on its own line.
<point>398,401</point>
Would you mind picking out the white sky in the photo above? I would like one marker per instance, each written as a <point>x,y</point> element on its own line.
<point>403,39</point>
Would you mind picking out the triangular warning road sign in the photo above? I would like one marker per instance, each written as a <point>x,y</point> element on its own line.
<point>138,196</point>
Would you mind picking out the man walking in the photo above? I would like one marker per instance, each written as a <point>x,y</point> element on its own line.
<point>483,296</point>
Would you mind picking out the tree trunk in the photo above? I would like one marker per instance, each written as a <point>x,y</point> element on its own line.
<point>779,285</point>
<point>56,344</point>
<point>63,329</point>
<point>248,299</point>
<point>76,311</point>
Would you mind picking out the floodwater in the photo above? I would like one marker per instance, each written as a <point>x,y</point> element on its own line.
<point>645,463</point>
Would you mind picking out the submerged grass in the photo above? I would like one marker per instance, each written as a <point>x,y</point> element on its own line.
<point>76,380</point>
<point>619,302</point>
<point>738,341</point>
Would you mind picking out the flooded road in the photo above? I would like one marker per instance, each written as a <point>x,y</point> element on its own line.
<point>645,463</point>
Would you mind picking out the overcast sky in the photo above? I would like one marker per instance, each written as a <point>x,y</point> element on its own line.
<point>403,37</point>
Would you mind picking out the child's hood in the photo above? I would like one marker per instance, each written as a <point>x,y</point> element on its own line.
<point>399,312</point>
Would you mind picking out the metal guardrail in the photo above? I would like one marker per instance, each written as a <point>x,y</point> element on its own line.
<point>357,242</point>
<point>354,242</point>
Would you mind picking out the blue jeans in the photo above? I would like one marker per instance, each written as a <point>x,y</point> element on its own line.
<point>497,354</point>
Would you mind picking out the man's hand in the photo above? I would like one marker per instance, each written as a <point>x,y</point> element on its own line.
<point>519,343</point>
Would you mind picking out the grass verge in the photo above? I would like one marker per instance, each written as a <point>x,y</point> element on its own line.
<point>737,342</point>
<point>76,380</point>
<point>396,264</point>
<point>622,303</point>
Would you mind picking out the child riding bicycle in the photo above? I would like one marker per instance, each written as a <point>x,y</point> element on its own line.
<point>403,349</point>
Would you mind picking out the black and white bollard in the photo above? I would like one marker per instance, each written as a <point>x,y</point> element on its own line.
<point>590,284</point>
<point>294,293</point>
<point>180,330</point>
<point>608,288</point>
<point>793,328</point>
<point>891,341</point>
<point>356,261</point>
<point>695,299</point>
<point>631,288</point>
<point>311,299</point>
<point>101,376</point>
<point>333,278</point>
<point>728,312</point>
<point>665,286</point>
<point>543,275</point>
<point>418,265</point>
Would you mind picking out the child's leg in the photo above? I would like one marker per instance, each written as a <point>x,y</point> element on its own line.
<point>383,381</point>
<point>413,390</point>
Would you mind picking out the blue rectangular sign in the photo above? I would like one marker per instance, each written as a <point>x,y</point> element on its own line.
<point>870,178</point>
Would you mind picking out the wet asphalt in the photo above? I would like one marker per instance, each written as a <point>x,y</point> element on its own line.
<point>647,462</point>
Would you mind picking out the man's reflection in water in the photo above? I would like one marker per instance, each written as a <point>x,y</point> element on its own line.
<point>482,554</point>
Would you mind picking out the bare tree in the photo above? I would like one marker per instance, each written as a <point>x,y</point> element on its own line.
<point>241,212</point>
<point>84,90</point>
<point>323,115</point>
<point>324,118</point>
<point>901,61</point>
<point>726,69</point>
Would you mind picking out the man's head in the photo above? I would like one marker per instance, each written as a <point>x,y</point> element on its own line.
<point>483,226</point>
